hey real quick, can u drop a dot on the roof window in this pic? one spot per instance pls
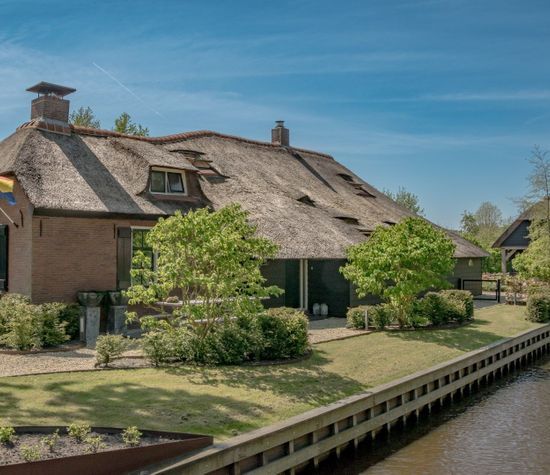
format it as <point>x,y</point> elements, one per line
<point>348,219</point>
<point>306,200</point>
<point>168,181</point>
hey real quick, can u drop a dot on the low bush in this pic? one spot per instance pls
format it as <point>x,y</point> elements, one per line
<point>109,347</point>
<point>53,328</point>
<point>445,306</point>
<point>538,305</point>
<point>380,316</point>
<point>284,333</point>
<point>25,326</point>
<point>78,432</point>
<point>30,453</point>
<point>131,436</point>
<point>7,435</point>
<point>465,298</point>
<point>355,317</point>
<point>279,333</point>
<point>51,441</point>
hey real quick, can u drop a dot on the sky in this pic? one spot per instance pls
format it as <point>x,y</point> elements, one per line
<point>444,97</point>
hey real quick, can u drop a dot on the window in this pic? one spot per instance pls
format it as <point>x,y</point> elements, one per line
<point>167,182</point>
<point>139,244</point>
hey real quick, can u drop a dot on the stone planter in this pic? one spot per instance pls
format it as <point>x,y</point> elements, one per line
<point>90,299</point>
<point>116,298</point>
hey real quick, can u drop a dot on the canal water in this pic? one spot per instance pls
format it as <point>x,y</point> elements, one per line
<point>505,429</point>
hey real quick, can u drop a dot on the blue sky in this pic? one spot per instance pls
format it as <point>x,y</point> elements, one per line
<point>446,98</point>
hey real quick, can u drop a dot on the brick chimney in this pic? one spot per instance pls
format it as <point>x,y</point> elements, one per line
<point>50,111</point>
<point>280,135</point>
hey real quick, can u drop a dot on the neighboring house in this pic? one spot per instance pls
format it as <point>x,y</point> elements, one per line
<point>85,197</point>
<point>515,239</point>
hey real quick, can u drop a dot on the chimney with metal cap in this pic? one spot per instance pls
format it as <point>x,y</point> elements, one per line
<point>50,111</point>
<point>280,135</point>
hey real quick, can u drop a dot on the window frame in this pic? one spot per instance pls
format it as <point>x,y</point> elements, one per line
<point>154,255</point>
<point>166,170</point>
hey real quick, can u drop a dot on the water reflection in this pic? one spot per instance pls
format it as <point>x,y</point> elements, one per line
<point>501,431</point>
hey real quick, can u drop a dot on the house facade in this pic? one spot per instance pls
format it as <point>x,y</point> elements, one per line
<point>85,197</point>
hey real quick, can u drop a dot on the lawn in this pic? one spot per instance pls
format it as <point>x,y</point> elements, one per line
<point>229,400</point>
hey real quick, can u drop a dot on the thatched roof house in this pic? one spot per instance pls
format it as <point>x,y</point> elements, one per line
<point>98,185</point>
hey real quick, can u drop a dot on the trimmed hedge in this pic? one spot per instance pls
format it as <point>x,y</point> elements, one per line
<point>379,316</point>
<point>355,317</point>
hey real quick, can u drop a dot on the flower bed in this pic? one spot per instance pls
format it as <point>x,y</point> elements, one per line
<point>30,450</point>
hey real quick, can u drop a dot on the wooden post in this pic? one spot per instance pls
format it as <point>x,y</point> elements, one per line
<point>503,260</point>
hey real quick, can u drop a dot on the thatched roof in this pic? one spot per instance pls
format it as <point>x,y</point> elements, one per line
<point>307,202</point>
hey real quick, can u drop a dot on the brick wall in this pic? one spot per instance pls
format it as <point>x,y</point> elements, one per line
<point>74,254</point>
<point>19,242</point>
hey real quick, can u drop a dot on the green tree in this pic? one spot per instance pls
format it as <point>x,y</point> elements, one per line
<point>211,261</point>
<point>406,199</point>
<point>399,262</point>
<point>84,117</point>
<point>468,224</point>
<point>124,125</point>
<point>534,262</point>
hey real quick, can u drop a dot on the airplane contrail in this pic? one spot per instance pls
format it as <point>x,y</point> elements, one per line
<point>127,89</point>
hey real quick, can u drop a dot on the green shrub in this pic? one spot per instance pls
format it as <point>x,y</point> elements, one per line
<point>25,326</point>
<point>380,316</point>
<point>463,296</point>
<point>95,443</point>
<point>109,347</point>
<point>7,435</point>
<point>538,306</point>
<point>158,346</point>
<point>69,313</point>
<point>417,321</point>
<point>284,333</point>
<point>131,436</point>
<point>30,453</point>
<point>355,317</point>
<point>434,307</point>
<point>79,432</point>
<point>51,440</point>
<point>23,329</point>
<point>53,328</point>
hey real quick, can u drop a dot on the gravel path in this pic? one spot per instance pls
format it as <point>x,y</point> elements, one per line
<point>83,359</point>
<point>331,329</point>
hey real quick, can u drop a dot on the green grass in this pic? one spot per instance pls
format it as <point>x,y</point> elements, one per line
<point>230,400</point>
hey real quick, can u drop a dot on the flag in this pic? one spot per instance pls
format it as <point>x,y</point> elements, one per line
<point>6,189</point>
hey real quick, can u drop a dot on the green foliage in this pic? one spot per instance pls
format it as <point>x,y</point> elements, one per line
<point>124,125</point>
<point>399,262</point>
<point>95,443</point>
<point>51,441</point>
<point>7,435</point>
<point>406,199</point>
<point>538,305</point>
<point>464,302</point>
<point>30,453</point>
<point>84,117</point>
<point>109,347</point>
<point>275,334</point>
<point>440,308</point>
<point>355,317</point>
<point>23,329</point>
<point>69,313</point>
<point>380,316</point>
<point>284,333</point>
<point>78,432</point>
<point>211,259</point>
<point>53,328</point>
<point>131,436</point>
<point>534,262</point>
<point>25,326</point>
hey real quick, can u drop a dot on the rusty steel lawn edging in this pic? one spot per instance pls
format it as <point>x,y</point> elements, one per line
<point>107,462</point>
<point>302,441</point>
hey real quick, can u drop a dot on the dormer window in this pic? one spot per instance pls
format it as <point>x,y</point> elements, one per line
<point>168,181</point>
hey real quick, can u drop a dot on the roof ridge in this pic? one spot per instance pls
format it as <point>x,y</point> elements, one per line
<point>172,138</point>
